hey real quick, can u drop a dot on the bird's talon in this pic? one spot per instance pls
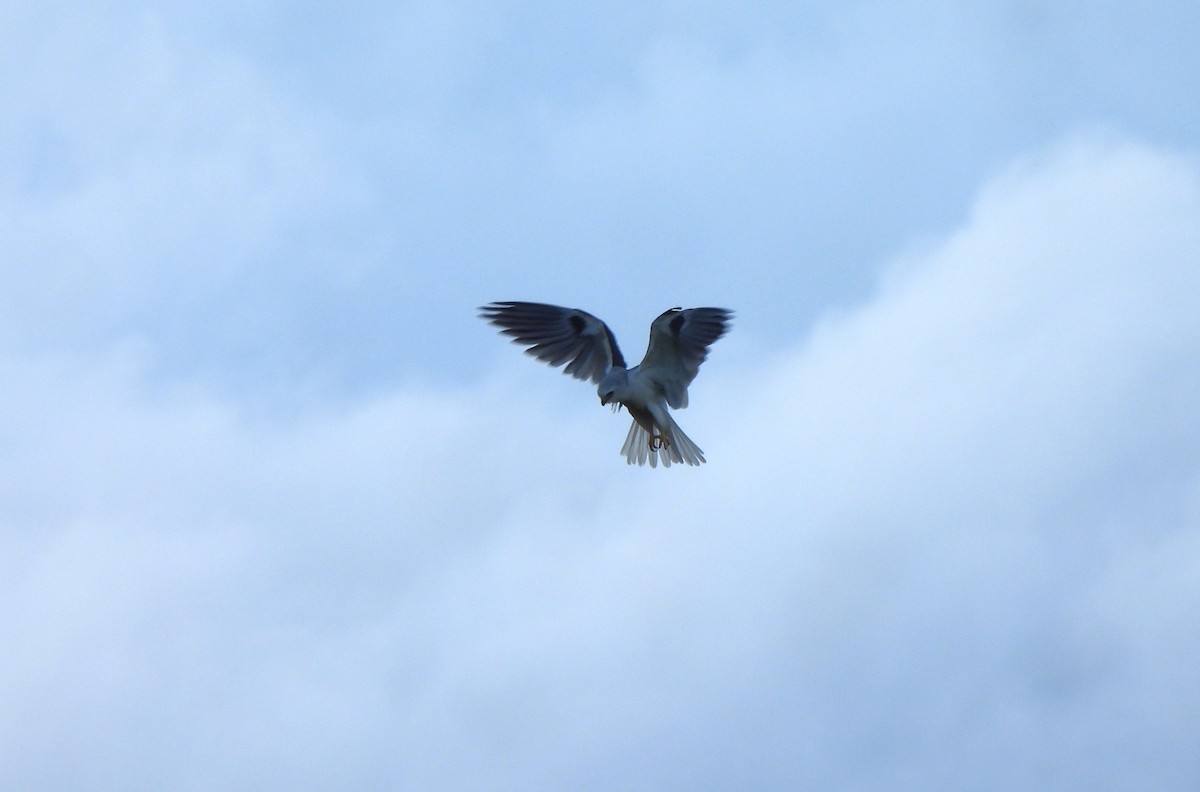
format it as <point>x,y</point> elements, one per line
<point>658,441</point>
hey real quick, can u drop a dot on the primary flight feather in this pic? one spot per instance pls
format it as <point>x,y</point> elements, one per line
<point>679,342</point>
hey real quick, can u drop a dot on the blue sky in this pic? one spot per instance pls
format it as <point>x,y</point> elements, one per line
<point>279,511</point>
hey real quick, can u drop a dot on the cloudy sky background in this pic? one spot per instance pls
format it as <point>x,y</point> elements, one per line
<point>278,511</point>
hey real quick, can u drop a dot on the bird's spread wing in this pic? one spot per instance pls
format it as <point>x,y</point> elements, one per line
<point>679,341</point>
<point>558,335</point>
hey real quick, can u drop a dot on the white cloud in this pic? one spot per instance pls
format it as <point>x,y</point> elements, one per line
<point>146,182</point>
<point>949,541</point>
<point>263,189</point>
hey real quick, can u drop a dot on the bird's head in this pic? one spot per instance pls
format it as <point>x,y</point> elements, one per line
<point>611,385</point>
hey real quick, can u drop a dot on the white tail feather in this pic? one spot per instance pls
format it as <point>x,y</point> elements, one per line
<point>677,448</point>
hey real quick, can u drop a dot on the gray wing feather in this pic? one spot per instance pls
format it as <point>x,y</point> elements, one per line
<point>679,342</point>
<point>558,335</point>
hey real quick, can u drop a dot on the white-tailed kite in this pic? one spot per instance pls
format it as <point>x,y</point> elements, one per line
<point>679,341</point>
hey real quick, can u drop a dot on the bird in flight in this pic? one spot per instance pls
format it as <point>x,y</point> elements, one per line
<point>679,341</point>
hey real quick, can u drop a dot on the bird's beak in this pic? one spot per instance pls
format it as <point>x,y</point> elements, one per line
<point>603,400</point>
